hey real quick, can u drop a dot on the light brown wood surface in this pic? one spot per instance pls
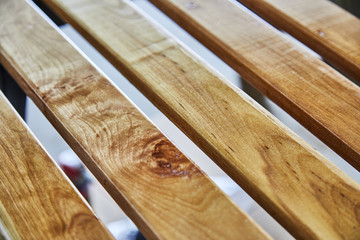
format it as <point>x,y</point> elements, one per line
<point>163,192</point>
<point>320,24</point>
<point>300,188</point>
<point>321,99</point>
<point>36,200</point>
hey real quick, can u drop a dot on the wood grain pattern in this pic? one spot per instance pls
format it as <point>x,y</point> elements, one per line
<point>37,200</point>
<point>163,192</point>
<point>326,28</point>
<point>300,188</point>
<point>321,99</point>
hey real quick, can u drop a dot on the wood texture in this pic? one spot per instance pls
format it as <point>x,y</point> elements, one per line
<point>37,201</point>
<point>300,188</point>
<point>326,28</point>
<point>321,99</point>
<point>163,192</point>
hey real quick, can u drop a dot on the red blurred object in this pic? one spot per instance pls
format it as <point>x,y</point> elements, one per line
<point>75,170</point>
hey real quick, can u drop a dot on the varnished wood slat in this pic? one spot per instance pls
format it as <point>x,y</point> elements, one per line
<point>300,188</point>
<point>321,99</point>
<point>164,193</point>
<point>37,200</point>
<point>320,24</point>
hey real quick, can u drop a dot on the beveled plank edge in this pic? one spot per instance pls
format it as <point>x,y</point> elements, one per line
<point>3,232</point>
<point>30,135</point>
<point>220,49</point>
<point>281,20</point>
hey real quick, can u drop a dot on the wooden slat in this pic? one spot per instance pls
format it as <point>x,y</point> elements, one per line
<point>321,99</point>
<point>300,188</point>
<point>320,24</point>
<point>37,200</point>
<point>164,193</point>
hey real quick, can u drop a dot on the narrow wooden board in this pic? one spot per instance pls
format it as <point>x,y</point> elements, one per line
<point>321,99</point>
<point>37,201</point>
<point>163,192</point>
<point>300,188</point>
<point>320,24</point>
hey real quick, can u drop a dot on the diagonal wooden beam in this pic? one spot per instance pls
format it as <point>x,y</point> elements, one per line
<point>326,28</point>
<point>317,96</point>
<point>37,200</point>
<point>299,187</point>
<point>161,190</point>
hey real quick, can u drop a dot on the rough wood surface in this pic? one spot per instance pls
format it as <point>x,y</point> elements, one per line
<point>37,200</point>
<point>321,99</point>
<point>300,188</point>
<point>320,24</point>
<point>164,193</point>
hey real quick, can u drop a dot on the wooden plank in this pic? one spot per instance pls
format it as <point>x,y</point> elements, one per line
<point>37,201</point>
<point>321,99</point>
<point>300,188</point>
<point>164,193</point>
<point>323,26</point>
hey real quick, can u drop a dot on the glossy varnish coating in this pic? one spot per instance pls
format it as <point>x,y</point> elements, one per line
<point>320,24</point>
<point>317,96</point>
<point>37,200</point>
<point>300,188</point>
<point>165,194</point>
